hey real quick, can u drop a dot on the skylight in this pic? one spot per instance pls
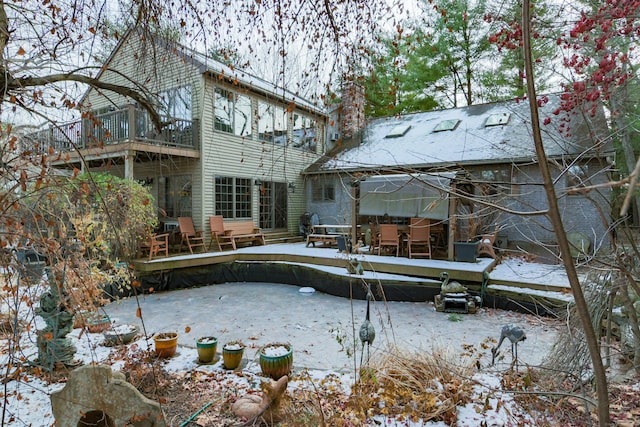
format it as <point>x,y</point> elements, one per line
<point>447,125</point>
<point>497,119</point>
<point>398,131</point>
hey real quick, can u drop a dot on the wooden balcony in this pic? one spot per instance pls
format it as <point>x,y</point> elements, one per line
<point>115,130</point>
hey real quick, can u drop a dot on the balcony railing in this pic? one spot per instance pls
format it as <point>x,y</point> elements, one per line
<point>115,127</point>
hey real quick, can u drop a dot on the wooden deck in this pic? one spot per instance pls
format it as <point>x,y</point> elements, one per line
<point>546,277</point>
<point>323,256</point>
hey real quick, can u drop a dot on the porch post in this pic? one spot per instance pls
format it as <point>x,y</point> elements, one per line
<point>354,214</point>
<point>131,116</point>
<point>128,164</point>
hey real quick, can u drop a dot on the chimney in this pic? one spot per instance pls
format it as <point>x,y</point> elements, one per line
<point>352,110</point>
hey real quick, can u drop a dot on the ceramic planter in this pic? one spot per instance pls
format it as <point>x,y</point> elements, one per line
<point>97,323</point>
<point>276,360</point>
<point>232,354</point>
<point>120,334</point>
<point>466,251</point>
<point>166,344</point>
<point>80,319</point>
<point>206,349</point>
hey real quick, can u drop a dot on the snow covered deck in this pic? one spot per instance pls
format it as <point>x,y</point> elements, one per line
<point>513,278</point>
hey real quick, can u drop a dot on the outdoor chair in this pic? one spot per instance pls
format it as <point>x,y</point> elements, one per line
<point>159,245</point>
<point>419,238</point>
<point>216,226</point>
<point>388,237</point>
<point>189,235</point>
<point>487,241</point>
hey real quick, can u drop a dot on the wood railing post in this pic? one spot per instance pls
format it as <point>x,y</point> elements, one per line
<point>131,113</point>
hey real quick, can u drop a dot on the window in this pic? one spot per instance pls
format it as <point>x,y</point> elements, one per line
<point>447,125</point>
<point>174,195</point>
<point>233,197</point>
<point>265,122</point>
<point>497,119</point>
<point>304,133</point>
<point>223,106</point>
<point>323,191</point>
<point>242,116</point>
<point>493,181</point>
<point>176,103</point>
<point>280,126</point>
<point>272,123</point>
<point>398,131</point>
<point>232,112</point>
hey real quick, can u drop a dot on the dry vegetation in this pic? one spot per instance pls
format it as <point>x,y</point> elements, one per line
<point>398,386</point>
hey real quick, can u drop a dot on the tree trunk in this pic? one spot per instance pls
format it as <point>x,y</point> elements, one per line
<point>558,226</point>
<point>627,147</point>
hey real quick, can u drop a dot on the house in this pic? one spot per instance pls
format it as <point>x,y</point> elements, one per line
<point>406,166</point>
<point>231,144</point>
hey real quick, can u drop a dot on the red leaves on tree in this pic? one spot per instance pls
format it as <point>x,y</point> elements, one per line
<point>592,40</point>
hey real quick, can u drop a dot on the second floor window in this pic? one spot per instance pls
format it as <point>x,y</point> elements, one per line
<point>176,103</point>
<point>304,133</point>
<point>272,123</point>
<point>232,112</point>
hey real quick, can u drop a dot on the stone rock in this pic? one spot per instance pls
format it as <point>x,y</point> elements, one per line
<point>95,395</point>
<point>265,407</point>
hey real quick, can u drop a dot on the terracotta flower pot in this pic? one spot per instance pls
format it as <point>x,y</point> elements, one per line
<point>97,323</point>
<point>206,349</point>
<point>276,360</point>
<point>166,344</point>
<point>232,354</point>
<point>80,319</point>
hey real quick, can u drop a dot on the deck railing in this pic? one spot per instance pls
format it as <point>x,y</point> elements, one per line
<point>114,127</point>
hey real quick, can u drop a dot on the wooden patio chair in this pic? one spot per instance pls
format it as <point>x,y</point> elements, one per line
<point>189,235</point>
<point>419,238</point>
<point>388,237</point>
<point>486,245</point>
<point>159,245</point>
<point>216,226</point>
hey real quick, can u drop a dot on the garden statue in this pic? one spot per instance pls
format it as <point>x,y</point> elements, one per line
<point>53,347</point>
<point>454,298</point>
<point>266,408</point>
<point>354,266</point>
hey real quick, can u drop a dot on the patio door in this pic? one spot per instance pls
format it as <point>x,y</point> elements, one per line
<point>273,205</point>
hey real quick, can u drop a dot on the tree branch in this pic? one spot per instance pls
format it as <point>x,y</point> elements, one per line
<point>139,97</point>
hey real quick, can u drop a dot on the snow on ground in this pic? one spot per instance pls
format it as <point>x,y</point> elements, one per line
<point>26,400</point>
<point>517,269</point>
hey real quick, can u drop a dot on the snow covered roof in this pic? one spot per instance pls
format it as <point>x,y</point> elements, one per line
<point>243,78</point>
<point>498,132</point>
<point>239,77</point>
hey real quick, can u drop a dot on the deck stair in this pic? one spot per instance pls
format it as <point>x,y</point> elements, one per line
<point>273,237</point>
